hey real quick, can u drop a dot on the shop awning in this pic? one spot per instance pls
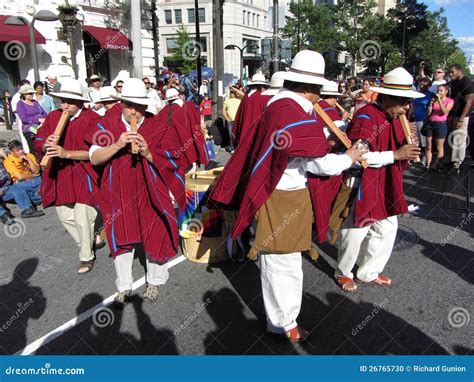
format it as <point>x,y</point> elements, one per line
<point>109,38</point>
<point>17,32</point>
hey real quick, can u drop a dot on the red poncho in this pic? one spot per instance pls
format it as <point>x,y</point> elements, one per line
<point>381,189</point>
<point>185,122</point>
<point>134,197</point>
<point>66,181</point>
<point>247,117</point>
<point>284,131</point>
<point>330,111</point>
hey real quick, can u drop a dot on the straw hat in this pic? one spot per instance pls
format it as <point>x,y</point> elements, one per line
<point>330,88</point>
<point>275,83</point>
<point>308,68</point>
<point>106,94</point>
<point>94,77</point>
<point>172,94</point>
<point>398,83</point>
<point>26,89</point>
<point>70,89</point>
<point>258,79</point>
<point>133,91</point>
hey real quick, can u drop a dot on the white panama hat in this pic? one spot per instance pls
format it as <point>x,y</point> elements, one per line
<point>330,89</point>
<point>276,83</point>
<point>398,83</point>
<point>133,91</point>
<point>258,79</point>
<point>172,94</point>
<point>26,89</point>
<point>307,68</point>
<point>70,89</point>
<point>106,94</point>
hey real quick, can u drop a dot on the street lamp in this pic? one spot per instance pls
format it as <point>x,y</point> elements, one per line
<point>42,15</point>
<point>67,15</point>
<point>232,47</point>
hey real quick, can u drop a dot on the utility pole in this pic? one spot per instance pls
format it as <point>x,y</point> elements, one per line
<point>137,39</point>
<point>198,43</point>
<point>156,36</point>
<point>218,48</point>
<point>276,58</point>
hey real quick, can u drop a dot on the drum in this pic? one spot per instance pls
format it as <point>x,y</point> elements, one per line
<point>203,231</point>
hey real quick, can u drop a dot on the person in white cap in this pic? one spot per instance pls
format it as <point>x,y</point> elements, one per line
<point>69,182</point>
<point>134,191</point>
<point>111,105</point>
<point>273,181</point>
<point>370,229</point>
<point>52,85</point>
<point>276,83</point>
<point>94,95</point>
<point>251,108</point>
<point>328,100</point>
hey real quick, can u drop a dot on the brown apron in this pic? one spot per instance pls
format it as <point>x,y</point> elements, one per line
<point>284,222</point>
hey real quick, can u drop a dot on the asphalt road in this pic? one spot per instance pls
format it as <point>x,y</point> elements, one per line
<point>219,310</point>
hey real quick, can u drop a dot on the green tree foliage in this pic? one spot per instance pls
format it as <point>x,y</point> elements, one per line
<point>185,52</point>
<point>458,57</point>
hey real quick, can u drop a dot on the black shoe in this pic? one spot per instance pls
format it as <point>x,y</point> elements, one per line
<point>31,213</point>
<point>212,164</point>
<point>7,220</point>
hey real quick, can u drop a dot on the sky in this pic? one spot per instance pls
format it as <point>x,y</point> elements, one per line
<point>460,14</point>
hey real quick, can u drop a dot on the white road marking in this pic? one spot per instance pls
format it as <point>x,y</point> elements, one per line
<point>59,331</point>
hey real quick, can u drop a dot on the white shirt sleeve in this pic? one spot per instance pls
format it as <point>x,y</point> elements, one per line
<point>378,159</point>
<point>330,164</point>
<point>92,150</point>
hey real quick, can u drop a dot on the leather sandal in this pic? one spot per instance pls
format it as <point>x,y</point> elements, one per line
<point>346,284</point>
<point>85,266</point>
<point>381,280</point>
<point>294,335</point>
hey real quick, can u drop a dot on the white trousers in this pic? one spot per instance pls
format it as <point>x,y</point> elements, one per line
<point>282,289</point>
<point>79,220</point>
<point>457,139</point>
<point>156,274</point>
<point>374,243</point>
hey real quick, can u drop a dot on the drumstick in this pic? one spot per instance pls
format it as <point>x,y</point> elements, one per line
<point>342,110</point>
<point>407,131</point>
<point>58,131</point>
<point>336,131</point>
<point>133,125</point>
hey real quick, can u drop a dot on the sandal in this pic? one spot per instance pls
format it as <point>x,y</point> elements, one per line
<point>347,284</point>
<point>294,335</point>
<point>85,266</point>
<point>151,292</point>
<point>381,280</point>
<point>122,298</point>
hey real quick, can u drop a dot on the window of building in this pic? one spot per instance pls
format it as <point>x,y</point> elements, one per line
<point>258,21</point>
<point>253,19</point>
<point>248,18</point>
<point>254,45</point>
<point>168,17</point>
<point>171,45</point>
<point>178,16</point>
<point>243,21</point>
<point>202,15</point>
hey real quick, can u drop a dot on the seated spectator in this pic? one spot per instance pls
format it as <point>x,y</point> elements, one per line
<point>24,170</point>
<point>9,192</point>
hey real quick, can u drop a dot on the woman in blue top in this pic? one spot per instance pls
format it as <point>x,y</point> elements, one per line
<point>44,100</point>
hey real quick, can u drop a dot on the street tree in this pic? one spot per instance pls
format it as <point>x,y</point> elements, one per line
<point>458,57</point>
<point>185,52</point>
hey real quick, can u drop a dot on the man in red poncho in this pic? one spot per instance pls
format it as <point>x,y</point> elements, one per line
<point>183,118</point>
<point>371,227</point>
<point>69,182</point>
<point>275,183</point>
<point>250,109</point>
<point>134,197</point>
